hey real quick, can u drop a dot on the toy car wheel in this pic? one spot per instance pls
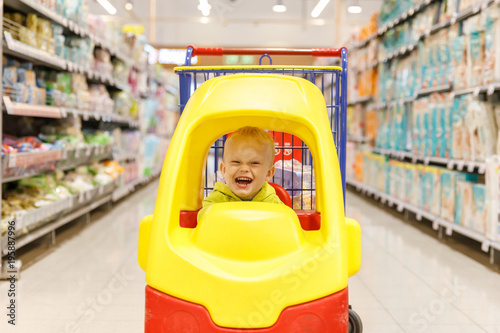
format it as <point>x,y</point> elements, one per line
<point>355,324</point>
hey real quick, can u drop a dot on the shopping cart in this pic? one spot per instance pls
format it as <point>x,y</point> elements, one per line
<point>254,266</point>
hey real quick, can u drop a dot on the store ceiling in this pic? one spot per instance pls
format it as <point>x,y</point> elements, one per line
<point>243,22</point>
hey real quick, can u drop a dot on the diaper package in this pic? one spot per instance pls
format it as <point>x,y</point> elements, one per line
<point>479,209</point>
<point>475,51</point>
<point>458,56</point>
<point>463,202</point>
<point>410,173</point>
<point>491,69</point>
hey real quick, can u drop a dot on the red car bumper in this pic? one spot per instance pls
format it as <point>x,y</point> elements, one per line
<point>165,313</point>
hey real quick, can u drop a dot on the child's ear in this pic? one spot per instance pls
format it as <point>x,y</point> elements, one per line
<point>270,173</point>
<point>222,168</point>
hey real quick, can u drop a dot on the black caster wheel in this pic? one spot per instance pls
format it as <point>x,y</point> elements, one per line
<point>355,324</point>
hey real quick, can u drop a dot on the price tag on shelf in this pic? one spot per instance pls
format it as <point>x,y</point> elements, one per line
<point>471,166</point>
<point>485,245</point>
<point>8,104</point>
<point>460,165</point>
<point>85,116</point>
<point>63,113</point>
<point>452,95</point>
<point>97,116</point>
<point>77,153</point>
<point>418,216</point>
<point>411,12</point>
<point>12,160</point>
<point>75,114</point>
<point>88,151</point>
<point>491,89</point>
<point>81,197</point>
<point>435,224</point>
<point>485,4</point>
<point>405,15</point>
<point>426,160</point>
<point>482,168</point>
<point>9,39</point>
<point>449,230</point>
<point>400,207</point>
<point>390,202</point>
<point>383,199</point>
<point>476,9</point>
<point>453,19</point>
<point>476,91</point>
<point>101,190</point>
<point>88,195</point>
<point>450,164</point>
<point>64,154</point>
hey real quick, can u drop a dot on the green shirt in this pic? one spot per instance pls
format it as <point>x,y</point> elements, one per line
<point>222,193</point>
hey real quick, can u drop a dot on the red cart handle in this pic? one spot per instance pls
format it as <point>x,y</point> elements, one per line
<point>219,51</point>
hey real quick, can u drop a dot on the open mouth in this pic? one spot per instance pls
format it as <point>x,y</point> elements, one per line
<point>243,181</point>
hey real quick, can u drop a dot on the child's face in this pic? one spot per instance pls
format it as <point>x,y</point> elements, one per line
<point>246,166</point>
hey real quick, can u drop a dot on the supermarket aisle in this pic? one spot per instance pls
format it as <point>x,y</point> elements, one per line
<point>409,282</point>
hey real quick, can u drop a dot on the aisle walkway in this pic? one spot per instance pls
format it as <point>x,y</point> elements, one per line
<point>409,282</point>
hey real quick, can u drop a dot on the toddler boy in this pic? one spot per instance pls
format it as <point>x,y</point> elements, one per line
<point>246,166</point>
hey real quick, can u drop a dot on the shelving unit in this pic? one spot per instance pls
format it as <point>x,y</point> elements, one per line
<point>37,223</point>
<point>393,59</point>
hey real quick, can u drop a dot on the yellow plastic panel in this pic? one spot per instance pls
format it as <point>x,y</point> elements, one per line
<point>353,232</point>
<point>201,265</point>
<point>144,234</point>
<point>249,231</point>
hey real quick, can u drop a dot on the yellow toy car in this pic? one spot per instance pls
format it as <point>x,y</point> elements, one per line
<point>253,266</point>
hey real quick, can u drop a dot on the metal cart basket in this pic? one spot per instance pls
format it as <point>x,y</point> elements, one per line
<point>296,178</point>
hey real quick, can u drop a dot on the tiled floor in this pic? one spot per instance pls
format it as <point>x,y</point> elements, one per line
<point>409,282</point>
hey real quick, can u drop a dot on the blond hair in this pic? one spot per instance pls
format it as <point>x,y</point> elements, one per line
<point>258,135</point>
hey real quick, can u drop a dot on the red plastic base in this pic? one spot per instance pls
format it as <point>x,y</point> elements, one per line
<point>165,313</point>
<point>309,219</point>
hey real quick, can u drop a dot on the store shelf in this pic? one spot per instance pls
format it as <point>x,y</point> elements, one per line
<point>43,111</point>
<point>358,139</point>
<point>403,50</point>
<point>428,91</point>
<point>437,221</point>
<point>23,165</point>
<point>22,109</point>
<point>29,53</point>
<point>452,164</point>
<point>128,188</point>
<point>125,156</point>
<point>361,100</point>
<point>42,58</point>
<point>51,226</point>
<point>33,6</point>
<point>457,17</point>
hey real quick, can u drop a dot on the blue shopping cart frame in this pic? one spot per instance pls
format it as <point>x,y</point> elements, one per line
<point>332,82</point>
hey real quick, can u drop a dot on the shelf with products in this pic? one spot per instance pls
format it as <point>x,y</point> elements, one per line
<point>358,139</point>
<point>39,57</point>
<point>456,16</point>
<point>43,111</point>
<point>452,164</point>
<point>34,6</point>
<point>361,100</point>
<point>437,221</point>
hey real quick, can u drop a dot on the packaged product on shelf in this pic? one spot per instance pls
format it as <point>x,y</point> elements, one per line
<point>491,69</point>
<point>482,129</point>
<point>447,194</point>
<point>475,53</point>
<point>434,174</point>
<point>479,209</point>
<point>446,122</point>
<point>417,188</point>
<point>459,56</point>
<point>410,172</point>
<point>492,196</point>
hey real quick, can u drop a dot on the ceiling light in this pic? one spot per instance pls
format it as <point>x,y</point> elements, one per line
<point>319,8</point>
<point>279,7</point>
<point>204,7</point>
<point>354,8</point>
<point>129,5</point>
<point>108,6</point>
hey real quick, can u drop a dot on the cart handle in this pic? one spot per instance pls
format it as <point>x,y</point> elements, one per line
<point>218,51</point>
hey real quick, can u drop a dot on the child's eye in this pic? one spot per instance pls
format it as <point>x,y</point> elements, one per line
<point>235,162</point>
<point>255,163</point>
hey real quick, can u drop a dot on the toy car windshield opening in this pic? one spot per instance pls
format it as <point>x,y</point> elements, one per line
<point>294,172</point>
